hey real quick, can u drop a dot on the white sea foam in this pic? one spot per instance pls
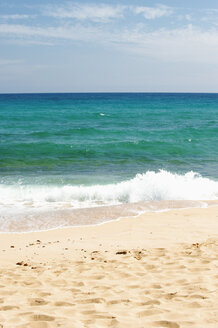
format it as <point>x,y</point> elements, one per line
<point>149,186</point>
<point>42,207</point>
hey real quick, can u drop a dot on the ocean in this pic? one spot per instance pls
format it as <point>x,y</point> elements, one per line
<point>80,158</point>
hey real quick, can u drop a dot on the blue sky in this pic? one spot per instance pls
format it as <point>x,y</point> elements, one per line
<point>86,46</point>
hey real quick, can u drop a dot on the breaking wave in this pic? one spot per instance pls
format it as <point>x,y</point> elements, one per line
<point>149,186</point>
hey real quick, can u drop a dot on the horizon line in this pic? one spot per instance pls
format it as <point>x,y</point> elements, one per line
<point>111,92</point>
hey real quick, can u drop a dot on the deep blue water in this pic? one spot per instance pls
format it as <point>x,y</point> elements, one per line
<point>89,138</point>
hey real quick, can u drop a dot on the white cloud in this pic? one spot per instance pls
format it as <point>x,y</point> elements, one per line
<point>153,12</point>
<point>15,16</point>
<point>92,12</point>
<point>210,16</point>
<point>76,32</point>
<point>188,17</point>
<point>30,41</point>
<point>212,11</point>
<point>7,62</point>
<point>104,12</point>
<point>187,44</point>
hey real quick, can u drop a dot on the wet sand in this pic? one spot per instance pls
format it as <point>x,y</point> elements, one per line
<point>35,219</point>
<point>155,270</point>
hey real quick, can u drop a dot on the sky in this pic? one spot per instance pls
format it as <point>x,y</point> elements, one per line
<point>108,46</point>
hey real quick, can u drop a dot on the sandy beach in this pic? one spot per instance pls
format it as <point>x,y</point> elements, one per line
<point>108,164</point>
<point>156,270</point>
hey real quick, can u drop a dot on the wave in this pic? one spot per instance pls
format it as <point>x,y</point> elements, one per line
<point>150,186</point>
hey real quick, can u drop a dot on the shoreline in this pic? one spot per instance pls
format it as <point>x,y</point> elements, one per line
<point>198,222</point>
<point>159,268</point>
<point>94,216</point>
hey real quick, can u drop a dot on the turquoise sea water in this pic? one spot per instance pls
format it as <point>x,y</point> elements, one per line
<point>89,149</point>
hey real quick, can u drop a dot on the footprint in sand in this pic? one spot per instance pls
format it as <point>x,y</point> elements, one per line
<point>167,324</point>
<point>8,307</point>
<point>147,313</point>
<point>92,300</point>
<point>42,317</point>
<point>119,301</point>
<point>152,302</point>
<point>194,305</point>
<point>37,301</point>
<point>77,283</point>
<point>44,294</point>
<point>97,277</point>
<point>63,304</point>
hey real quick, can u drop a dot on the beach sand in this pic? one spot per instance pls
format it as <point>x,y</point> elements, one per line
<point>156,270</point>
